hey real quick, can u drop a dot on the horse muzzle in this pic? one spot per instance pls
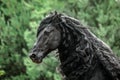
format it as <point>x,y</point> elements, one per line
<point>36,57</point>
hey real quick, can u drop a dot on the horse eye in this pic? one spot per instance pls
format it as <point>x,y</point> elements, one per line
<point>46,32</point>
<point>42,50</point>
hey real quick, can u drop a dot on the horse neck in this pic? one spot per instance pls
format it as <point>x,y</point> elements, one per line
<point>76,49</point>
<point>72,39</point>
<point>72,51</point>
<point>67,45</point>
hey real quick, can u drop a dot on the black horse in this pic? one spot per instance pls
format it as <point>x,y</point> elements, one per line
<point>82,55</point>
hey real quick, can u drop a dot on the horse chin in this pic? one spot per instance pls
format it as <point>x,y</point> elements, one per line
<point>38,61</point>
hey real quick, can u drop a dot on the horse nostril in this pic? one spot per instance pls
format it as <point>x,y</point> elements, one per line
<point>34,50</point>
<point>32,56</point>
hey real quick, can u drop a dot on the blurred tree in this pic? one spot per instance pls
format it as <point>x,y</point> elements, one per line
<point>12,26</point>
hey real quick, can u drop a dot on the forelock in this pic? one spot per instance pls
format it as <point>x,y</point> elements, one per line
<point>51,18</point>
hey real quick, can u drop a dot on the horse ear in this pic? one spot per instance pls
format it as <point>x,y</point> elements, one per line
<point>56,13</point>
<point>53,13</point>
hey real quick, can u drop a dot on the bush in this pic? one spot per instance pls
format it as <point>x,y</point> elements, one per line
<point>14,20</point>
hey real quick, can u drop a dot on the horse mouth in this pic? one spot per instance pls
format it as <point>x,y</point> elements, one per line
<point>36,59</point>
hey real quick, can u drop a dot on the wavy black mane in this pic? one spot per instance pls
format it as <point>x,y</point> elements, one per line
<point>82,55</point>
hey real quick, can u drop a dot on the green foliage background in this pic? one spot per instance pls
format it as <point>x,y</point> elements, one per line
<point>19,20</point>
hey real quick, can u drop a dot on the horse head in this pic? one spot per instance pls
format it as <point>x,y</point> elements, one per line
<point>48,39</point>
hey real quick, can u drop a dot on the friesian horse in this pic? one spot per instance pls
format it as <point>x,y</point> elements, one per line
<point>82,55</point>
